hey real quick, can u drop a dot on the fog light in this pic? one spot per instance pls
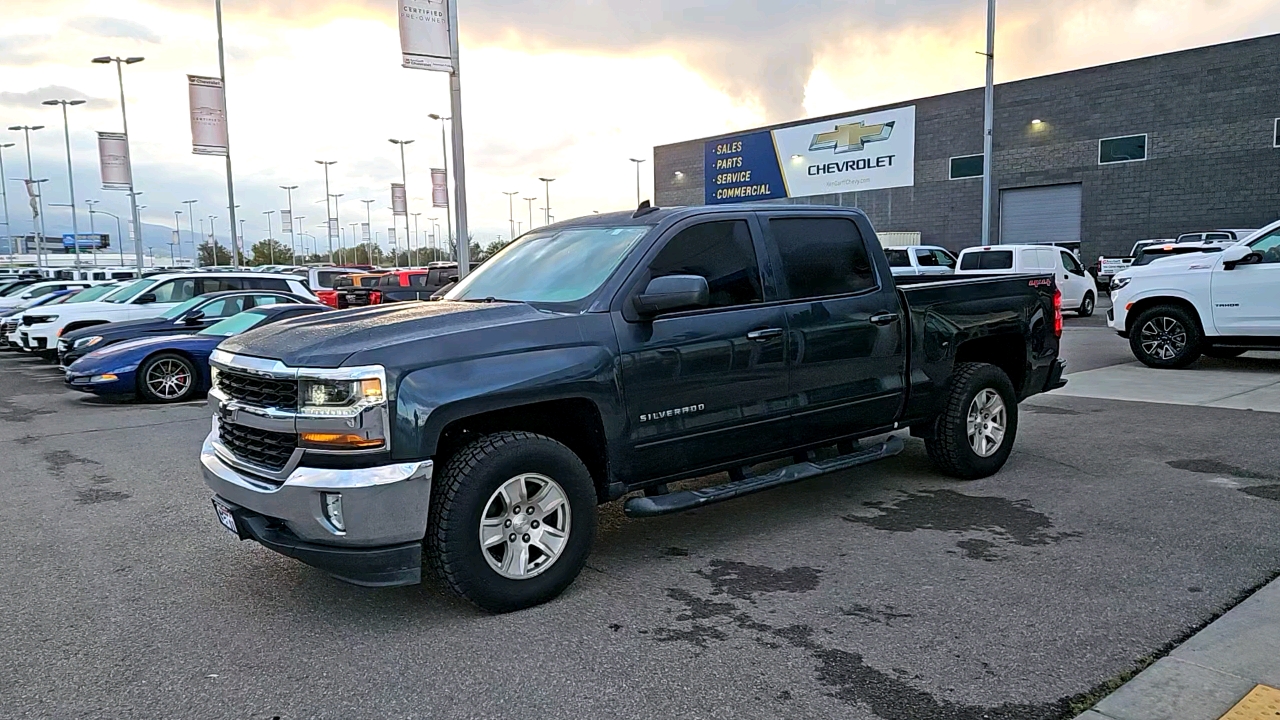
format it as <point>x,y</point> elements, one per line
<point>105,377</point>
<point>333,510</point>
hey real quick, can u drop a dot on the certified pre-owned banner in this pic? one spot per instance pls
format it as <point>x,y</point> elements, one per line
<point>208,115</point>
<point>286,221</point>
<point>439,188</point>
<point>424,35</point>
<point>113,159</point>
<point>850,154</point>
<point>364,232</point>
<point>399,203</point>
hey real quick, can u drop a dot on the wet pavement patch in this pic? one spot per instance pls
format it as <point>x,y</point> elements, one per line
<point>95,495</point>
<point>1008,521</point>
<point>1049,410</point>
<point>1269,492</point>
<point>868,614</point>
<point>741,580</point>
<point>59,460</point>
<point>1209,466</point>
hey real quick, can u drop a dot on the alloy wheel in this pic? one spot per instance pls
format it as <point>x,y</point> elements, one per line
<point>168,379</point>
<point>525,526</point>
<point>986,422</point>
<point>1163,337</point>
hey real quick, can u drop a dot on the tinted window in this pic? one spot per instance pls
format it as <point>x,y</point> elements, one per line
<point>926,258</point>
<point>898,258</point>
<point>966,167</point>
<point>822,256</point>
<point>722,253</point>
<point>267,284</point>
<point>223,307</point>
<point>393,280</point>
<point>418,280</point>
<point>1218,237</point>
<point>175,291</point>
<point>987,260</point>
<point>944,259</point>
<point>327,279</point>
<point>260,300</point>
<point>1073,265</point>
<point>1122,149</point>
<point>369,281</point>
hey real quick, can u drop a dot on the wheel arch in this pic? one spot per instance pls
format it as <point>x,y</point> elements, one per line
<point>1007,351</point>
<point>1138,307</point>
<point>80,325</point>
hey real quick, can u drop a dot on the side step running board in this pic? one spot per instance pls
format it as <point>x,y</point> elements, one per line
<point>639,507</point>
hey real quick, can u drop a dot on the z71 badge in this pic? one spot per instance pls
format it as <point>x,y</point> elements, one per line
<point>661,414</point>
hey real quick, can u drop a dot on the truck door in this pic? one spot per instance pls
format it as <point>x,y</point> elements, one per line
<point>707,385</point>
<point>845,323</point>
<point>1246,299</point>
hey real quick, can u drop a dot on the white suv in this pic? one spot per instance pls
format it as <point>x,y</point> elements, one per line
<point>1220,304</point>
<point>145,298</point>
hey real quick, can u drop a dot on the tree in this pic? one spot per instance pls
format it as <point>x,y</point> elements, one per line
<point>207,258</point>
<point>270,252</point>
<point>489,251</point>
<point>366,254</point>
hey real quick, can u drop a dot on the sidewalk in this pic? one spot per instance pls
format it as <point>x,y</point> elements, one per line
<point>1207,676</point>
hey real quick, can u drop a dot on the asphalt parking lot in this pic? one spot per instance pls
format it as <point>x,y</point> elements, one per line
<point>884,592</point>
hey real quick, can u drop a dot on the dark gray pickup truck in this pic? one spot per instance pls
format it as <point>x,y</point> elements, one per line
<point>603,356</point>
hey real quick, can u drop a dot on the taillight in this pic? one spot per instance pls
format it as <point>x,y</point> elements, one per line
<point>375,297</point>
<point>1057,312</point>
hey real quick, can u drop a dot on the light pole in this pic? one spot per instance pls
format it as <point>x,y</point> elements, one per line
<point>328,214</point>
<point>177,235</point>
<point>238,243</point>
<point>37,208</point>
<point>92,230</point>
<point>444,152</point>
<point>519,227</point>
<point>637,161</point>
<point>337,220</point>
<point>271,241</point>
<point>369,219</point>
<point>301,234</point>
<point>137,223</point>
<point>546,182</point>
<point>4,193</point>
<point>71,183</point>
<point>191,224</point>
<point>404,180</point>
<point>213,238</point>
<point>530,201</point>
<point>288,189</point>
<point>511,213</point>
<point>435,235</point>
<point>119,229</point>
<point>988,122</point>
<point>355,242</point>
<point>417,240</point>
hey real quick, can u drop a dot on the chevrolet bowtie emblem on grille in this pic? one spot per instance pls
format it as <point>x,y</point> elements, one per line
<point>850,137</point>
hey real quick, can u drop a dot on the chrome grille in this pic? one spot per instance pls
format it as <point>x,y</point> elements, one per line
<point>259,390</point>
<point>266,449</point>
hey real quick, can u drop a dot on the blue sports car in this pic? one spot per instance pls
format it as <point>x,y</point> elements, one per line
<point>171,368</point>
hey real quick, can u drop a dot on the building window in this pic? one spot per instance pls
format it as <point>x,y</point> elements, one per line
<point>1130,148</point>
<point>966,166</point>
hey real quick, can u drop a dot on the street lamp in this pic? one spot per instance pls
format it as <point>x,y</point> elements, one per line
<point>191,225</point>
<point>511,213</point>
<point>444,152</point>
<point>300,234</point>
<point>288,189</point>
<point>271,241</point>
<point>637,161</point>
<point>119,228</point>
<point>213,238</point>
<point>530,201</point>
<point>71,183</point>
<point>4,193</point>
<point>369,219</point>
<point>92,231</point>
<point>37,209</point>
<point>137,223</point>
<point>328,214</point>
<point>417,239</point>
<point>546,182</point>
<point>404,180</point>
<point>337,220</point>
<point>177,237</point>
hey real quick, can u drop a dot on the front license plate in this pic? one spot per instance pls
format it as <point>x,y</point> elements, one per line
<point>226,518</point>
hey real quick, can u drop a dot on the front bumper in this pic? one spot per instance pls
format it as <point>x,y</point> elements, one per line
<point>384,510</point>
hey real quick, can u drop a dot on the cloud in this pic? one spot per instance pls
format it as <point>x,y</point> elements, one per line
<point>110,27</point>
<point>33,98</point>
<point>23,50</point>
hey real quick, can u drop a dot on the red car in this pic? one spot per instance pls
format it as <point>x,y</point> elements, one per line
<point>404,285</point>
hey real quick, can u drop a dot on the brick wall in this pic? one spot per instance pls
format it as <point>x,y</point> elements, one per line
<point>1209,114</point>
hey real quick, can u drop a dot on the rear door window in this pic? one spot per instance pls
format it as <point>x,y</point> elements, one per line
<point>898,258</point>
<point>223,307</point>
<point>266,284</point>
<point>926,258</point>
<point>822,256</point>
<point>987,260</point>
<point>175,291</point>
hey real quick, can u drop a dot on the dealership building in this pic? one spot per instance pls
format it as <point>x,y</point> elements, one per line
<point>1108,155</point>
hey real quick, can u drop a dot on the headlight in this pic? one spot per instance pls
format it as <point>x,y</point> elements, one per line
<point>37,319</point>
<point>356,400</point>
<point>88,341</point>
<point>1119,282</point>
<point>321,395</point>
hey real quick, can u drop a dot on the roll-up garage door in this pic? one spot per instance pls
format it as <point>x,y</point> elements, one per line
<point>1040,214</point>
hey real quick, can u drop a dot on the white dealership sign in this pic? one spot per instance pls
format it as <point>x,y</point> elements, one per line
<point>286,221</point>
<point>424,35</point>
<point>113,159</point>
<point>850,154</point>
<point>208,115</point>
<point>439,188</point>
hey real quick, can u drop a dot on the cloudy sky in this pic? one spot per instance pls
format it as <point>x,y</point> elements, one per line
<point>569,89</point>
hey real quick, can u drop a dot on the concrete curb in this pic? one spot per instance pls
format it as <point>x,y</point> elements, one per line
<point>1208,674</point>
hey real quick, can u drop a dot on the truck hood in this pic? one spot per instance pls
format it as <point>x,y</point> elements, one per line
<point>326,340</point>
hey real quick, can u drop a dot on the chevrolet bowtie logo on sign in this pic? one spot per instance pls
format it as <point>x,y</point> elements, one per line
<point>851,137</point>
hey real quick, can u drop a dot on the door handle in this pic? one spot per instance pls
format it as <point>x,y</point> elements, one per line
<point>884,318</point>
<point>764,334</point>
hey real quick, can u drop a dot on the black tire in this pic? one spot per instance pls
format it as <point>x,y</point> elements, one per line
<point>1166,336</point>
<point>149,394</point>
<point>949,448</point>
<point>1086,305</point>
<point>1224,353</point>
<point>458,503</point>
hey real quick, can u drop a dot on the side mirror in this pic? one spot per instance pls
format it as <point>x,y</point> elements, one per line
<point>673,292</point>
<point>195,317</point>
<point>1235,255</point>
<point>145,299</point>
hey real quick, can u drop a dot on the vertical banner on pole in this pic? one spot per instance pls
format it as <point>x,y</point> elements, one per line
<point>113,159</point>
<point>333,228</point>
<point>424,35</point>
<point>208,115</point>
<point>286,221</point>
<point>364,232</point>
<point>439,188</point>
<point>399,203</point>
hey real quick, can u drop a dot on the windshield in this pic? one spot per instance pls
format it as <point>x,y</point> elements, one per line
<point>554,266</point>
<point>16,289</point>
<point>129,292</point>
<point>1148,256</point>
<point>181,308</point>
<point>93,293</point>
<point>898,258</point>
<point>235,324</point>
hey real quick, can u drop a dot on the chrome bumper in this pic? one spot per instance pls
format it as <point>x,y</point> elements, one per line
<point>381,505</point>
